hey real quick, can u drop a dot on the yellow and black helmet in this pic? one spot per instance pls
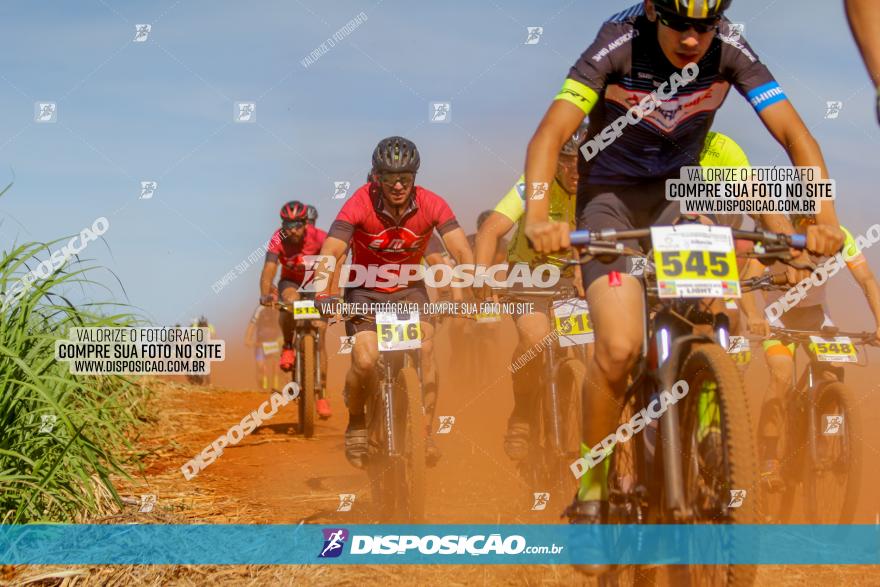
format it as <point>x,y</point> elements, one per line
<point>698,9</point>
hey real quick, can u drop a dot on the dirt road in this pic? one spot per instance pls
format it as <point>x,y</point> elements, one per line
<point>275,476</point>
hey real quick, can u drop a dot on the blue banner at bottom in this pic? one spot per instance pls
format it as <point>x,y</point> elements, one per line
<point>437,544</point>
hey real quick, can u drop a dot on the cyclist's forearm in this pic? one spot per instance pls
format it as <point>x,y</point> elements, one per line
<point>267,277</point>
<point>864,20</point>
<point>542,157</point>
<point>487,238</point>
<point>870,288</point>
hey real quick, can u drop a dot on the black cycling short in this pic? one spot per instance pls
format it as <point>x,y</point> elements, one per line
<point>416,294</point>
<point>623,208</point>
<point>287,284</point>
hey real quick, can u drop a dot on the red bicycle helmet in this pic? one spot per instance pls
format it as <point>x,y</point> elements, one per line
<point>294,211</point>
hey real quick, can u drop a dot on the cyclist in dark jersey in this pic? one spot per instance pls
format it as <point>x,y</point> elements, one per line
<point>630,63</point>
<point>388,223</point>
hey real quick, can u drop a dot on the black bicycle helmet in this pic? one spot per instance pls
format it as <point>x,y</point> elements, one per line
<point>311,213</point>
<point>572,145</point>
<point>698,9</point>
<point>396,155</point>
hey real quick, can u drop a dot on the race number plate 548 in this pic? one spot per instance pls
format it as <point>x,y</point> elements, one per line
<point>398,332</point>
<point>839,349</point>
<point>695,261</point>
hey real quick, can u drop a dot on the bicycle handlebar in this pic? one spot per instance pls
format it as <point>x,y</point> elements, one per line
<point>583,238</point>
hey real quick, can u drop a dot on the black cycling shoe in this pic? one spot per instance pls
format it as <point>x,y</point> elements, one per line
<point>356,445</point>
<point>589,512</point>
<point>432,453</point>
<point>516,440</point>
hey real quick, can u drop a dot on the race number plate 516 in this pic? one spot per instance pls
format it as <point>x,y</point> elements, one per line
<point>695,261</point>
<point>398,332</point>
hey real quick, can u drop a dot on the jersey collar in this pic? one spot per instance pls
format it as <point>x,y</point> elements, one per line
<point>379,204</point>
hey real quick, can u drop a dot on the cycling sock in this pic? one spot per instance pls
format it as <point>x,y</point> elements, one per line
<point>594,483</point>
<point>285,320</point>
<point>524,385</point>
<point>707,410</point>
<point>356,420</point>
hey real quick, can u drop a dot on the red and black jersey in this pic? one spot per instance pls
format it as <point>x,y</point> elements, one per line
<point>377,238</point>
<point>290,255</point>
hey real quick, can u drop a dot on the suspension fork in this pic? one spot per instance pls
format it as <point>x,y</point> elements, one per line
<point>553,396</point>
<point>812,395</point>
<point>388,401</point>
<point>299,371</point>
<point>319,384</point>
<point>668,351</point>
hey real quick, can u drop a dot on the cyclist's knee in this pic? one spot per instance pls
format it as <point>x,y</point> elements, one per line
<point>616,357</point>
<point>364,354</point>
<point>532,329</point>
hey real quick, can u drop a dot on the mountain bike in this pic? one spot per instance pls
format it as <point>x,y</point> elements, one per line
<point>820,433</point>
<point>556,411</point>
<point>395,418</point>
<point>307,368</point>
<point>704,468</point>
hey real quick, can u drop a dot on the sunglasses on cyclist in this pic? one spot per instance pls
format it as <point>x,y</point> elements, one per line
<point>294,225</point>
<point>391,179</point>
<point>681,24</point>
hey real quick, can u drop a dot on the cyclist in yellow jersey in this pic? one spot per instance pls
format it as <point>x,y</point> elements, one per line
<point>718,151</point>
<point>810,313</point>
<point>534,326</point>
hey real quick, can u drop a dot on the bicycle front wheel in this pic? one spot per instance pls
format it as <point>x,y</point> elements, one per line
<point>412,470</point>
<point>307,393</point>
<point>832,476</point>
<point>719,464</point>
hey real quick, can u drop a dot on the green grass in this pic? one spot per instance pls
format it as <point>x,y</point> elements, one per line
<point>59,475</point>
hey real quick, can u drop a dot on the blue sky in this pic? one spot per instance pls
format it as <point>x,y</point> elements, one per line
<point>163,110</point>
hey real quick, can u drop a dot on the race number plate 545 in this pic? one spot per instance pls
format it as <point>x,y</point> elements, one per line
<point>398,332</point>
<point>695,261</point>
<point>839,349</point>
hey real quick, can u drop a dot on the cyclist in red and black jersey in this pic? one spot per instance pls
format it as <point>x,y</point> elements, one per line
<point>288,247</point>
<point>645,124</point>
<point>388,221</point>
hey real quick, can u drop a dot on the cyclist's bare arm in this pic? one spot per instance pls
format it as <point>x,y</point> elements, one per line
<point>864,20</point>
<point>336,249</point>
<point>863,275</point>
<point>457,244</point>
<point>560,122</point>
<point>250,339</point>
<point>495,227</point>
<point>267,277</point>
<point>786,126</point>
<point>755,320</point>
